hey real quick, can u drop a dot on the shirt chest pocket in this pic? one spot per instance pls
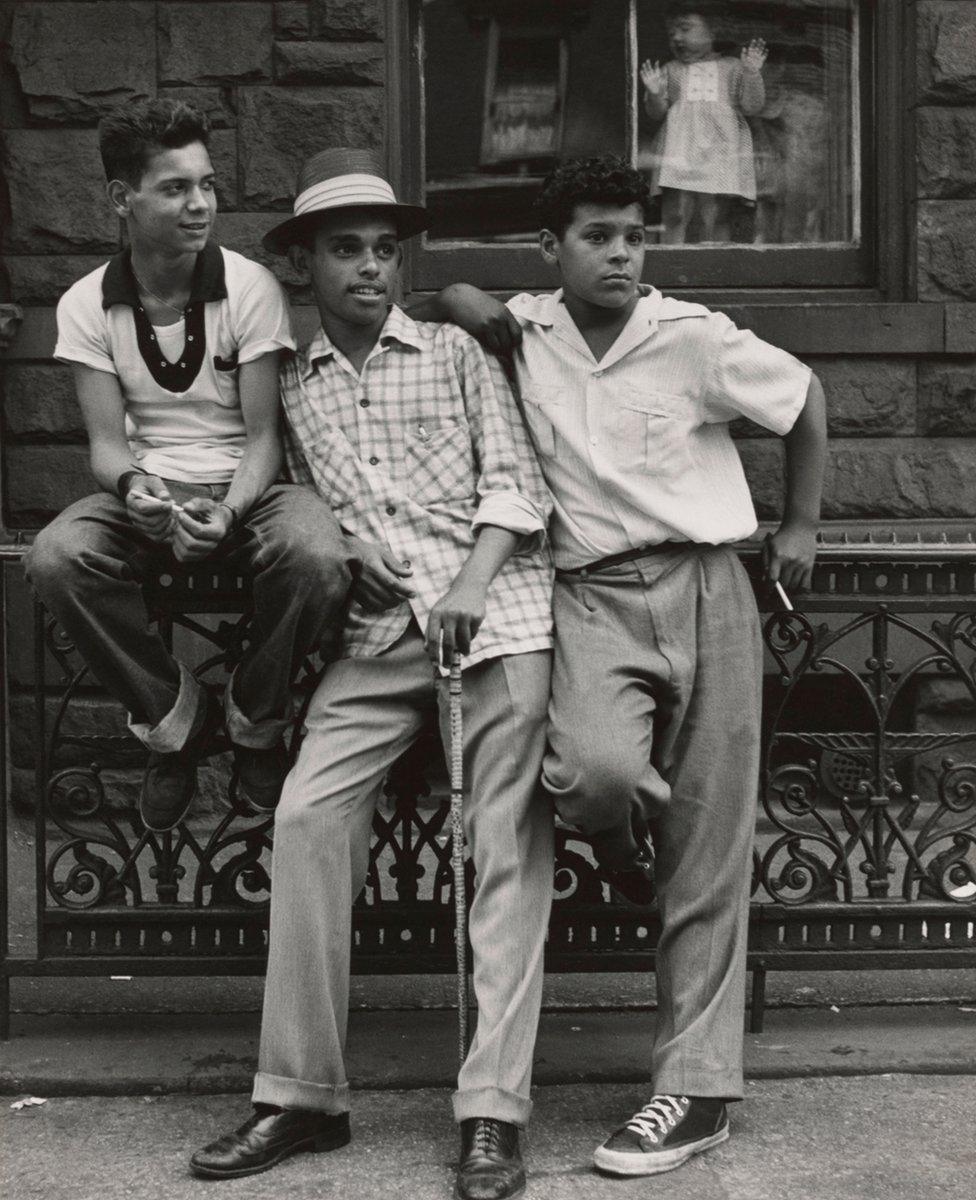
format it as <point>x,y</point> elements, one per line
<point>653,433</point>
<point>542,407</point>
<point>439,464</point>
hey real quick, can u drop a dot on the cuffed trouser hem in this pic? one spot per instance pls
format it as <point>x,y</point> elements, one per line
<point>171,733</point>
<point>695,1083</point>
<point>298,1093</point>
<point>491,1102</point>
<point>256,735</point>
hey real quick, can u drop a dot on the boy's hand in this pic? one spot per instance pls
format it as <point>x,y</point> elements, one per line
<point>454,621</point>
<point>652,77</point>
<point>150,507</point>
<point>380,585</point>
<point>484,317</point>
<point>754,56</point>
<point>788,555</point>
<point>200,528</point>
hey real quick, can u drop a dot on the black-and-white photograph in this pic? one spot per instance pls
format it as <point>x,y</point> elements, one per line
<point>487,599</point>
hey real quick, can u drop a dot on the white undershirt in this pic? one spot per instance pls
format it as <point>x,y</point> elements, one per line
<point>171,339</point>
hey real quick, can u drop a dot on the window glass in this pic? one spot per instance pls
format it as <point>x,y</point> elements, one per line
<point>744,114</point>
<point>510,89</point>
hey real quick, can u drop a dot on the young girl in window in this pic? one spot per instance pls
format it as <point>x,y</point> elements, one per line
<point>702,154</point>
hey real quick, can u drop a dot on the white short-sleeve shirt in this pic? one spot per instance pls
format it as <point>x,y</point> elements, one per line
<point>636,448</point>
<point>183,417</point>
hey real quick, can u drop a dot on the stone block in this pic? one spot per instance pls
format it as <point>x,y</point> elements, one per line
<point>947,249</point>
<point>76,61</point>
<point>291,19</point>
<point>280,127</point>
<point>39,401</point>
<point>869,397</point>
<point>217,104</point>
<point>43,279</point>
<point>882,478</point>
<point>947,398</point>
<point>946,152</point>
<point>944,706</point>
<point>900,478</point>
<point>347,20</point>
<point>329,63</point>
<point>223,155</point>
<point>45,212</point>
<point>243,232</point>
<point>214,43</point>
<point>86,716</point>
<point>946,51</point>
<point>41,480</point>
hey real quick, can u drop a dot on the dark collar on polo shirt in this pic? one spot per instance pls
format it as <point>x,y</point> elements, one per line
<point>119,283</point>
<point>207,284</point>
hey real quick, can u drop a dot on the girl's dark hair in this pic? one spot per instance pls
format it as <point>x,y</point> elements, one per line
<point>607,180</point>
<point>708,10</point>
<point>132,132</point>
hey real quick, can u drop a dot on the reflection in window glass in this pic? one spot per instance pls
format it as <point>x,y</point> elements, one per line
<point>743,113</point>
<point>510,88</point>
<point>747,120</point>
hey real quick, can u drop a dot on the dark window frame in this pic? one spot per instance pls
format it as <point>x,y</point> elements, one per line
<point>877,270</point>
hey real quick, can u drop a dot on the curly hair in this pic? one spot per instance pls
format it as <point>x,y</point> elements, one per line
<point>132,132</point>
<point>607,180</point>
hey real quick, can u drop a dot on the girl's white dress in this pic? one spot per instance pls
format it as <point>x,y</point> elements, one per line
<point>704,143</point>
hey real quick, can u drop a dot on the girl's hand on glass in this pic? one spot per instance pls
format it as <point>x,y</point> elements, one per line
<point>652,77</point>
<point>754,56</point>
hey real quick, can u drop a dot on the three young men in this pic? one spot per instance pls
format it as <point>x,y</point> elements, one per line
<point>412,437</point>
<point>174,346</point>
<point>409,435</point>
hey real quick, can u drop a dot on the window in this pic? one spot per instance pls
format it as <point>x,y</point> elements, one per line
<point>752,119</point>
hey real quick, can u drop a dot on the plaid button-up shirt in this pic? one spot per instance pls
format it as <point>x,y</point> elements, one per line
<point>416,454</point>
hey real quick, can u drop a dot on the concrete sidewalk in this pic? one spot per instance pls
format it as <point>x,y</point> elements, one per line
<point>872,1138</point>
<point>138,1053</point>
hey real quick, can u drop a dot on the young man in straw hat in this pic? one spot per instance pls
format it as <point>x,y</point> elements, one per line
<point>413,439</point>
<point>174,345</point>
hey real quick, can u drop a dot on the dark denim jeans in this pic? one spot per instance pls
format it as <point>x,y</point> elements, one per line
<point>88,567</point>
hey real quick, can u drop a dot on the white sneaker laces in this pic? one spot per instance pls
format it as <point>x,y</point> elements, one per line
<point>658,1116</point>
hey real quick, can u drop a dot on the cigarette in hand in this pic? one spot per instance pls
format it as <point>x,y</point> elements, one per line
<point>159,500</point>
<point>781,592</point>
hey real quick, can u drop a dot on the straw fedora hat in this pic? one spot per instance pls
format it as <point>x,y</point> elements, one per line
<point>338,179</point>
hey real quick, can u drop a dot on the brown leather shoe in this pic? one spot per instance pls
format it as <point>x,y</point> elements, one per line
<point>267,1138</point>
<point>491,1165</point>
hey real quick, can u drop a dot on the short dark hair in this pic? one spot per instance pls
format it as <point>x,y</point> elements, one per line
<point>706,9</point>
<point>129,134</point>
<point>607,180</point>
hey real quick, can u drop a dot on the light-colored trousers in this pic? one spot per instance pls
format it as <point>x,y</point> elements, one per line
<point>655,723</point>
<point>364,714</point>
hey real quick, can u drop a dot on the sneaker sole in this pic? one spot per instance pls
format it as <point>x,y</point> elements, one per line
<point>319,1144</point>
<point>615,1162</point>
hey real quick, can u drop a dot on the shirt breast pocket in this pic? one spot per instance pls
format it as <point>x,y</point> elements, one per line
<point>439,464</point>
<point>653,432</point>
<point>541,406</point>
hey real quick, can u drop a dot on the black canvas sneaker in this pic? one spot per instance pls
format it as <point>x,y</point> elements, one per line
<point>665,1133</point>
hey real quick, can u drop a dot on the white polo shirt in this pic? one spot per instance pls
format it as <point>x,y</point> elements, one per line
<point>180,383</point>
<point>636,448</point>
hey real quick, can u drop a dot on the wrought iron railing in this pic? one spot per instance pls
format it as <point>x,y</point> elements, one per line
<point>866,827</point>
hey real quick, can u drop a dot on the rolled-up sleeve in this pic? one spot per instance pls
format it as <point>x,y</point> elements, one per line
<point>510,489</point>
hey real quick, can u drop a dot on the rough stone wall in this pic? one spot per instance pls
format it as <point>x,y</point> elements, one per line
<point>277,79</point>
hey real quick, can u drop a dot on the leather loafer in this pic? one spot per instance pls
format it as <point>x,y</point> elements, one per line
<point>491,1164</point>
<point>266,1139</point>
